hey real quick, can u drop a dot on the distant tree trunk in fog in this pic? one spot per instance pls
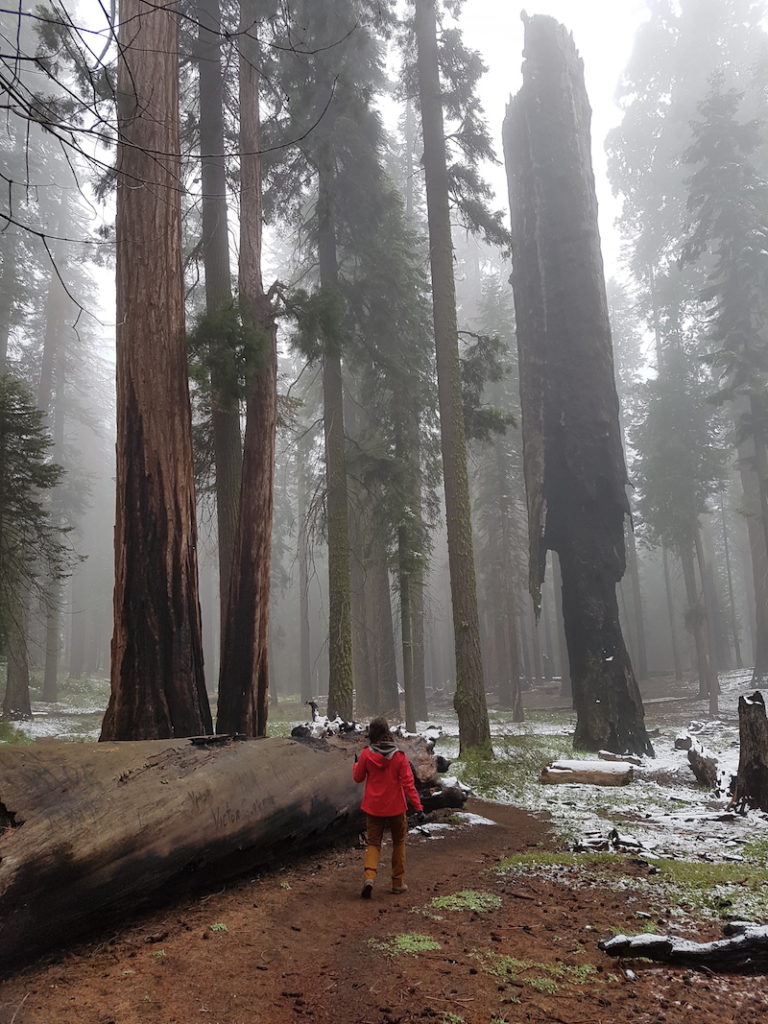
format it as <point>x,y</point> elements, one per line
<point>157,684</point>
<point>78,623</point>
<point>417,639</point>
<point>362,656</point>
<point>537,667</point>
<point>302,486</point>
<point>469,700</point>
<point>225,412</point>
<point>374,638</point>
<point>758,557</point>
<point>409,542</point>
<point>633,569</point>
<point>50,402</point>
<point>548,655</point>
<point>721,647</point>
<point>244,675</point>
<point>16,703</point>
<point>507,639</point>
<point>697,621</point>
<point>672,616</point>
<point>574,463</point>
<point>340,681</point>
<point>729,580</point>
<point>524,640</point>
<point>565,668</point>
<point>713,687</point>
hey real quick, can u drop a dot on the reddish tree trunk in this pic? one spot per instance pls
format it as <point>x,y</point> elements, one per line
<point>244,678</point>
<point>157,680</point>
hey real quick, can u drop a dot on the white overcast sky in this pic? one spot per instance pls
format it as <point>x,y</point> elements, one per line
<point>603,31</point>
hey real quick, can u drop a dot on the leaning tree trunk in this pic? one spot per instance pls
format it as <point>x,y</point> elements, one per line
<point>157,681</point>
<point>574,464</point>
<point>751,789</point>
<point>244,675</point>
<point>469,699</point>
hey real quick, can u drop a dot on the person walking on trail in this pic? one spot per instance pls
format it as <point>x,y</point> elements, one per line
<point>389,788</point>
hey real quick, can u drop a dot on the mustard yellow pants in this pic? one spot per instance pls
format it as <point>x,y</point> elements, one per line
<point>398,826</point>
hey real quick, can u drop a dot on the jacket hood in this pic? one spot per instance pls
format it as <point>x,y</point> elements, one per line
<point>385,750</point>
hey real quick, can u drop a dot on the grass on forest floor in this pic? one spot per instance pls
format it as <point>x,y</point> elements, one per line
<point>722,890</point>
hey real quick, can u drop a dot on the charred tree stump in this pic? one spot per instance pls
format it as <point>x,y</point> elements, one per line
<point>574,464</point>
<point>751,788</point>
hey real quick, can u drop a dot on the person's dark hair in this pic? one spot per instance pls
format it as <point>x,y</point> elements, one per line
<point>378,731</point>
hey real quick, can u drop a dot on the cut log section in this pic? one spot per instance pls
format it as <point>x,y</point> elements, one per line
<point>592,773</point>
<point>89,832</point>
<point>746,950</point>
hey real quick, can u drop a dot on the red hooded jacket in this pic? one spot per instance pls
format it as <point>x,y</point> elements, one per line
<point>388,783</point>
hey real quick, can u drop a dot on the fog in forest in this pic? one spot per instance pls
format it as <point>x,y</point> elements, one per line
<point>347,524</point>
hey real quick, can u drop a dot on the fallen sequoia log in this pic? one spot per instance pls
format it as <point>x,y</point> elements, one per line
<point>746,950</point>
<point>90,832</point>
<point>593,773</point>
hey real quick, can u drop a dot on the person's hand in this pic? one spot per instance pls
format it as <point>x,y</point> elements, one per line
<point>420,817</point>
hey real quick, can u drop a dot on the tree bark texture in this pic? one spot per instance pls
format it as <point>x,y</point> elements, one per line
<point>157,681</point>
<point>469,699</point>
<point>758,557</point>
<point>672,618</point>
<point>574,464</point>
<point>302,556</point>
<point>225,411</point>
<point>751,788</point>
<point>90,832</point>
<point>340,682</point>
<point>244,674</point>
<point>16,703</point>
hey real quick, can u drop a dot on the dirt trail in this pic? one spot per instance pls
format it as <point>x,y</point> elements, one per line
<point>295,945</point>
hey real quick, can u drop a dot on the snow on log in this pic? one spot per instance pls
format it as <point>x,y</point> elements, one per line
<point>592,773</point>
<point>745,951</point>
<point>608,755</point>
<point>89,832</point>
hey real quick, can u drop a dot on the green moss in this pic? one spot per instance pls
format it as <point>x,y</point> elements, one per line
<point>546,978</point>
<point>405,943</point>
<point>548,985</point>
<point>519,758</point>
<point>548,859</point>
<point>13,734</point>
<point>467,899</point>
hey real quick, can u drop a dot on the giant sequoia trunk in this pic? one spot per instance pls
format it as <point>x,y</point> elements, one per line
<point>157,652</point>
<point>469,700</point>
<point>574,464</point>
<point>244,676</point>
<point>225,411</point>
<point>89,832</point>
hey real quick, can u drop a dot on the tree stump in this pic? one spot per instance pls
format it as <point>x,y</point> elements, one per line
<point>751,789</point>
